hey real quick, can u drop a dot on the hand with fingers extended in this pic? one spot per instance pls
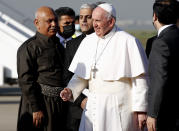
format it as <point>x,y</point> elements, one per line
<point>151,124</point>
<point>83,103</point>
<point>38,118</point>
<point>66,94</point>
<point>142,120</point>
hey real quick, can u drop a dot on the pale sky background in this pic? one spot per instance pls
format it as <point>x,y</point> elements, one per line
<point>129,10</point>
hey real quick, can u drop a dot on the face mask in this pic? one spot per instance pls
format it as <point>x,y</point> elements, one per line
<point>68,30</point>
<point>77,27</point>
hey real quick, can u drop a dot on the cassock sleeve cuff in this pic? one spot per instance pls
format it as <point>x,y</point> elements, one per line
<point>77,85</point>
<point>139,93</point>
<point>139,109</point>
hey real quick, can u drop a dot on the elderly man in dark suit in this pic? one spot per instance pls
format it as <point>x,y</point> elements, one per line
<point>86,25</point>
<point>163,67</point>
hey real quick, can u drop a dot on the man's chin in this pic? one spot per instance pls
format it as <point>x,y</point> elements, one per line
<point>98,34</point>
<point>84,29</point>
<point>52,34</point>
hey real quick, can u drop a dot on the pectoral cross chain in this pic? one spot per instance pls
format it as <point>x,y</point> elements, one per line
<point>94,70</point>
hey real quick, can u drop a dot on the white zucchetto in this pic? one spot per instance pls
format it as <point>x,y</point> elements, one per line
<point>109,8</point>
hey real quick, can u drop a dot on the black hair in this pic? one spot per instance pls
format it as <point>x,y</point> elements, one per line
<point>166,12</point>
<point>77,17</point>
<point>65,11</point>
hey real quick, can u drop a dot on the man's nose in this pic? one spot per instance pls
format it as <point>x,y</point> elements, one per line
<point>84,19</point>
<point>54,23</point>
<point>95,24</point>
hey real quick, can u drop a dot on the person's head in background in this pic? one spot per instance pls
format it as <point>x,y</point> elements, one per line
<point>85,18</point>
<point>46,21</point>
<point>77,24</point>
<point>174,2</point>
<point>66,21</point>
<point>165,12</point>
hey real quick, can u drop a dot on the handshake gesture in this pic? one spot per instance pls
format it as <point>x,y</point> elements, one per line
<point>66,94</point>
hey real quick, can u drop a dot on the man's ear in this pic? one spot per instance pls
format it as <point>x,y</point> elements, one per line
<point>112,22</point>
<point>36,22</point>
<point>155,18</point>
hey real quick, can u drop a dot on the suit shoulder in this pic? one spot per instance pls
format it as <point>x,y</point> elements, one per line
<point>76,41</point>
<point>151,38</point>
<point>80,36</point>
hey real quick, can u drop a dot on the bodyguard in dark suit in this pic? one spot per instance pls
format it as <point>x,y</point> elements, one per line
<point>151,40</point>
<point>75,109</point>
<point>163,70</point>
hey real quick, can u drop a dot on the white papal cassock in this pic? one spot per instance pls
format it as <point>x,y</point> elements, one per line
<point>119,87</point>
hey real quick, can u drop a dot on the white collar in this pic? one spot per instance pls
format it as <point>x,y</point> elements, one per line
<point>162,28</point>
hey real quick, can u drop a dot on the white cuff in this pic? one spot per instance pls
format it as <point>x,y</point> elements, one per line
<point>139,93</point>
<point>77,85</point>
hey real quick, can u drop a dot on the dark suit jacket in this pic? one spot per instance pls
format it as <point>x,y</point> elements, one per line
<point>71,48</point>
<point>74,110</point>
<point>163,94</point>
<point>149,45</point>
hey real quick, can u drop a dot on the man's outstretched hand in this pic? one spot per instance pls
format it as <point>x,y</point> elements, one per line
<point>151,124</point>
<point>66,94</point>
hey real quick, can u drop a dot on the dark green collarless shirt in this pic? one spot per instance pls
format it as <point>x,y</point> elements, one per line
<point>39,61</point>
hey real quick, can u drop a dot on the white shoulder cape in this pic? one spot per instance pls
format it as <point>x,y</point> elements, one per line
<point>124,57</point>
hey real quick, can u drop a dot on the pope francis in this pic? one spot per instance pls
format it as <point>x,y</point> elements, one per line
<point>113,64</point>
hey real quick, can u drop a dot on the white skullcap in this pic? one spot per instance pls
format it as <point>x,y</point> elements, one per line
<point>109,8</point>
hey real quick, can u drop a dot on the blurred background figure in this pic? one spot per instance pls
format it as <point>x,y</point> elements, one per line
<point>66,23</point>
<point>77,27</point>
